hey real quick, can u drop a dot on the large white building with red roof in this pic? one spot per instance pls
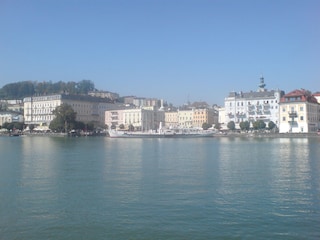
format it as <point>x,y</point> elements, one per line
<point>299,112</point>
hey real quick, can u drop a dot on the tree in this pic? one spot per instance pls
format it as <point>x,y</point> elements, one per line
<point>31,127</point>
<point>17,90</point>
<point>217,126</point>
<point>245,125</point>
<point>121,126</point>
<point>85,86</point>
<point>259,125</point>
<point>271,125</point>
<point>231,125</point>
<point>65,118</point>
<point>206,126</point>
<point>131,127</point>
<point>78,125</point>
<point>13,125</point>
<point>90,126</point>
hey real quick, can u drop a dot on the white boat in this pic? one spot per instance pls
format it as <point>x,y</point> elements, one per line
<point>163,133</point>
<point>138,134</point>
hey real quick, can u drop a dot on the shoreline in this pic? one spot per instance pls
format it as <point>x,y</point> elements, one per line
<point>270,135</point>
<point>222,135</point>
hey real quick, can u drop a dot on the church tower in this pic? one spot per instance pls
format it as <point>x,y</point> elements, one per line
<point>262,85</point>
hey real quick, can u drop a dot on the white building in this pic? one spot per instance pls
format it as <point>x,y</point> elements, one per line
<point>39,110</point>
<point>10,117</point>
<point>142,119</point>
<point>104,94</point>
<point>252,106</point>
<point>185,118</point>
<point>299,112</point>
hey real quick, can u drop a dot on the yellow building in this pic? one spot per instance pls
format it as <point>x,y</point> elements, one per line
<point>299,112</point>
<point>201,116</point>
<point>185,118</point>
<point>171,119</point>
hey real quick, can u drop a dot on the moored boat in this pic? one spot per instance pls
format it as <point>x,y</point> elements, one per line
<point>167,133</point>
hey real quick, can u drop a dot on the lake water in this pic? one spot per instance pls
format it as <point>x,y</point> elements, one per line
<point>204,188</point>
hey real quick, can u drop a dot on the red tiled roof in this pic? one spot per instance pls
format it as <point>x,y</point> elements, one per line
<point>305,96</point>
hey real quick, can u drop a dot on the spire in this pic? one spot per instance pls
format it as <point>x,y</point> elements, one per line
<point>262,85</point>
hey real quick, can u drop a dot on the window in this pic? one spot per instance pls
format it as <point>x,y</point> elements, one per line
<point>283,118</point>
<point>301,108</point>
<point>301,118</point>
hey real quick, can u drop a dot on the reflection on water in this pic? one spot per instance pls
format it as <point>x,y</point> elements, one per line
<point>97,188</point>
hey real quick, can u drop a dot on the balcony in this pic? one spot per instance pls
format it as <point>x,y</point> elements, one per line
<point>241,115</point>
<point>266,107</point>
<point>293,114</point>
<point>230,115</point>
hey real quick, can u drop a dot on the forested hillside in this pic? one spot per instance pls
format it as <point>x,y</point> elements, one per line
<point>23,89</point>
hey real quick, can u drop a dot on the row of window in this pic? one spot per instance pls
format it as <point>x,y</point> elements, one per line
<point>284,109</point>
<point>301,118</point>
<point>238,104</point>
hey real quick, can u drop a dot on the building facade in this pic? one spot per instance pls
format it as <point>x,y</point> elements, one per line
<point>299,112</point>
<point>185,118</point>
<point>252,106</point>
<point>39,110</point>
<point>203,115</point>
<point>142,119</point>
<point>9,117</point>
<point>171,119</point>
<point>104,94</point>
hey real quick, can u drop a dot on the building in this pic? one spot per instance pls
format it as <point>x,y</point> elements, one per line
<point>142,119</point>
<point>9,117</point>
<point>252,106</point>
<point>299,112</point>
<point>113,118</point>
<point>185,118</point>
<point>203,115</point>
<point>142,102</point>
<point>317,96</point>
<point>11,105</point>
<point>39,110</point>
<point>171,119</point>
<point>104,94</point>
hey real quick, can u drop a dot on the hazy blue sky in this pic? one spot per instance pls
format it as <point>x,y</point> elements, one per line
<point>171,49</point>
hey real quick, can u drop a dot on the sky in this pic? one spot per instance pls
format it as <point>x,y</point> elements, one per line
<point>176,50</point>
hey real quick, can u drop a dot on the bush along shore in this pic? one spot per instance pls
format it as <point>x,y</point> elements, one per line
<point>267,134</point>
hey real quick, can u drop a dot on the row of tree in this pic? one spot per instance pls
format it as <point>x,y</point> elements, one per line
<point>256,125</point>
<point>23,89</point>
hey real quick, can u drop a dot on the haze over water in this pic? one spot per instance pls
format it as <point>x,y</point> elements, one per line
<point>205,188</point>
